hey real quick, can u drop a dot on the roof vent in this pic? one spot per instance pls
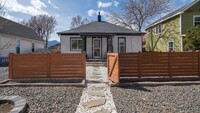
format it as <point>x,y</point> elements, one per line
<point>99,17</point>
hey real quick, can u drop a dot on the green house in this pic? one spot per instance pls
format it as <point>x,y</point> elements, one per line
<point>167,33</point>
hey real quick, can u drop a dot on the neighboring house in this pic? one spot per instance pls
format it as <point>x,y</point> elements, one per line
<point>170,30</point>
<point>98,38</point>
<point>55,48</point>
<point>16,38</point>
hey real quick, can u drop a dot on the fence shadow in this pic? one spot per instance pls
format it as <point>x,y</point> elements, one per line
<point>144,83</point>
<point>135,86</point>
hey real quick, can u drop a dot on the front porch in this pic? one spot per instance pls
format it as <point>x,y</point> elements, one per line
<point>97,46</point>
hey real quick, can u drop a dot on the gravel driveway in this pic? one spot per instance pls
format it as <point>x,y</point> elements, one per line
<point>3,73</point>
<point>47,99</point>
<point>167,99</point>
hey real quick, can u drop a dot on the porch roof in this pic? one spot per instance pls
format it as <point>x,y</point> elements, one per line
<point>100,28</point>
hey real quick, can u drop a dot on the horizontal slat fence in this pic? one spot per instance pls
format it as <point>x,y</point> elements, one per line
<point>47,65</point>
<point>149,64</point>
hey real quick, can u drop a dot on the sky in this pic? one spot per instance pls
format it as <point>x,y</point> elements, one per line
<point>65,10</point>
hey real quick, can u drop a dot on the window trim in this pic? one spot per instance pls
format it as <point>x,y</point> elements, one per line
<point>159,30</point>
<point>168,45</point>
<point>17,46</point>
<point>75,38</point>
<point>33,47</point>
<point>124,44</point>
<point>194,19</point>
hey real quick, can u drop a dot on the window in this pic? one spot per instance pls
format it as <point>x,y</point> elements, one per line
<point>149,31</point>
<point>122,45</point>
<point>170,46</point>
<point>33,47</point>
<point>18,46</point>
<point>158,29</point>
<point>76,44</point>
<point>196,21</point>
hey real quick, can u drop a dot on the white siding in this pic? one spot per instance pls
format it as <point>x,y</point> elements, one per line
<point>25,45</point>
<point>65,44</point>
<point>89,47</point>
<point>9,49</point>
<point>115,44</point>
<point>133,43</point>
<point>104,48</point>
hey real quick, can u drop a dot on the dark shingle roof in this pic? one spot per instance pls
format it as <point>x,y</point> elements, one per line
<point>174,13</point>
<point>100,28</point>
<point>9,27</point>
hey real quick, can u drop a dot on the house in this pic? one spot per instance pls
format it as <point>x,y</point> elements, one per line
<point>55,48</point>
<point>16,38</point>
<point>98,38</point>
<point>167,33</point>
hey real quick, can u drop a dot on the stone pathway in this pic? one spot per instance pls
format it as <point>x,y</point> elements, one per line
<point>96,98</point>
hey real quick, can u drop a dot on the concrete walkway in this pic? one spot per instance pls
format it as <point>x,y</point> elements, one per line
<point>96,98</point>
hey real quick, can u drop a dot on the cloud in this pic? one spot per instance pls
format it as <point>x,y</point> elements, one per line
<point>116,3</point>
<point>35,8</point>
<point>53,5</point>
<point>104,4</point>
<point>91,12</point>
<point>38,4</point>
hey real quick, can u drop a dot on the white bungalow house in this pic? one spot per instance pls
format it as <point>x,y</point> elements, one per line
<point>98,38</point>
<point>16,38</point>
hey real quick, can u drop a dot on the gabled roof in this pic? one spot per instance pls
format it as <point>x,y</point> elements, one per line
<point>9,27</point>
<point>100,28</point>
<point>174,13</point>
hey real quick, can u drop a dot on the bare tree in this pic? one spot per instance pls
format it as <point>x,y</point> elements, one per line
<point>135,13</point>
<point>43,25</point>
<point>78,21</point>
<point>168,33</point>
<point>4,44</point>
<point>2,4</point>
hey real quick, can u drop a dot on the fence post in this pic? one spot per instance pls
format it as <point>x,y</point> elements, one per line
<point>108,64</point>
<point>118,61</point>
<point>84,64</point>
<point>199,62</point>
<point>170,63</point>
<point>49,65</point>
<point>11,66</point>
<point>139,64</point>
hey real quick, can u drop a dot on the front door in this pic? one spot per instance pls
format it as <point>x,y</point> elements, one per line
<point>96,47</point>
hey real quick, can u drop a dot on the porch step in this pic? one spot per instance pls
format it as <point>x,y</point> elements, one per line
<point>97,64</point>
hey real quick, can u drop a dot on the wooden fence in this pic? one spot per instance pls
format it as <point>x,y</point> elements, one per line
<point>47,65</point>
<point>149,64</point>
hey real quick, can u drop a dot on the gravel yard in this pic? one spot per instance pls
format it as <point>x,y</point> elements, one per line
<point>47,99</point>
<point>167,99</point>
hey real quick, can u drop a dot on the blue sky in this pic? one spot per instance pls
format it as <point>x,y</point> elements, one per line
<point>64,10</point>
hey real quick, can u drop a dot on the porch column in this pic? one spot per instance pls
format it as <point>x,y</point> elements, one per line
<point>83,43</point>
<point>110,45</point>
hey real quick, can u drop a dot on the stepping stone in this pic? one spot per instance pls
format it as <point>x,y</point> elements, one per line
<point>96,88</point>
<point>96,80</point>
<point>96,73</point>
<point>94,103</point>
<point>98,94</point>
<point>102,111</point>
<point>95,77</point>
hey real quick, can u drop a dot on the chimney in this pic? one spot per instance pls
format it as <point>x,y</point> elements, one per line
<point>99,17</point>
